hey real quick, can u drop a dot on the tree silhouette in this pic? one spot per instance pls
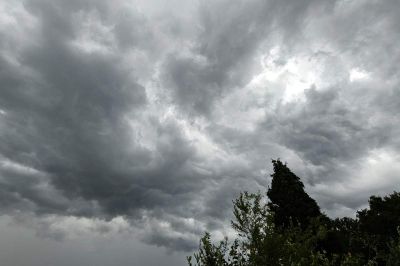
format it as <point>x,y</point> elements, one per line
<point>288,200</point>
<point>383,216</point>
<point>380,223</point>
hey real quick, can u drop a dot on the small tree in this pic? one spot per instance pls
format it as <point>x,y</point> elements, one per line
<point>259,242</point>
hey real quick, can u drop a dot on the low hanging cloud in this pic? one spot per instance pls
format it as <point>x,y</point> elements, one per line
<point>161,116</point>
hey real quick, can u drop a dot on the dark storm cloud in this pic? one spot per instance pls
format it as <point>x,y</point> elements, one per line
<point>70,119</point>
<point>118,109</point>
<point>325,128</point>
<point>67,140</point>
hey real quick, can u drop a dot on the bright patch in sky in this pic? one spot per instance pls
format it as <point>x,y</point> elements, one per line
<point>296,74</point>
<point>300,76</point>
<point>357,74</point>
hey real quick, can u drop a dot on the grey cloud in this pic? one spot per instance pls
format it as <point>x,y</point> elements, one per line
<point>223,56</point>
<point>331,131</point>
<point>116,248</point>
<point>69,121</point>
<point>162,239</point>
<point>322,129</point>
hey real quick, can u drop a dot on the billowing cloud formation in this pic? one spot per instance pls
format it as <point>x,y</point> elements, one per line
<point>160,116</point>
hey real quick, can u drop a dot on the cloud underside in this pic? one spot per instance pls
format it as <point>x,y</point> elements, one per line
<point>162,116</point>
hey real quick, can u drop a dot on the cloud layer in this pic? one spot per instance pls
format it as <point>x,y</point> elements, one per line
<point>160,116</point>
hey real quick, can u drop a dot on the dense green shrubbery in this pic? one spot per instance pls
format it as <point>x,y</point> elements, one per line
<point>291,230</point>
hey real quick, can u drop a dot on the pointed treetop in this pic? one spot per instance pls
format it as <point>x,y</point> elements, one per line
<point>288,200</point>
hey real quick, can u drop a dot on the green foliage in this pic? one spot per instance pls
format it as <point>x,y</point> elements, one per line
<point>379,225</point>
<point>210,254</point>
<point>382,217</point>
<point>290,230</point>
<point>394,252</point>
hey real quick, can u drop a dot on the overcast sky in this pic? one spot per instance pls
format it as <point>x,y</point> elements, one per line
<point>128,127</point>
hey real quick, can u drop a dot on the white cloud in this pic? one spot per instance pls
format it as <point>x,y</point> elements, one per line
<point>357,74</point>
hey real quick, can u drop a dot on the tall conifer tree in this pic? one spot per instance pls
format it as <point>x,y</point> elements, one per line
<point>288,200</point>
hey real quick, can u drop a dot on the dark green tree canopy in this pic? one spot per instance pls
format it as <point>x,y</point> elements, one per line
<point>383,216</point>
<point>288,200</point>
<point>290,230</point>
